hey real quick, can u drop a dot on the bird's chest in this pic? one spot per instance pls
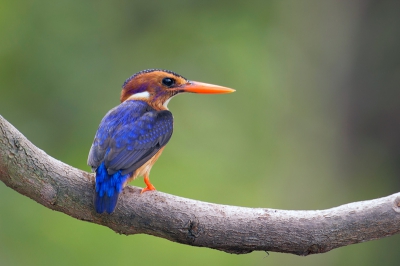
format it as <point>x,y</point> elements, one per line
<point>146,167</point>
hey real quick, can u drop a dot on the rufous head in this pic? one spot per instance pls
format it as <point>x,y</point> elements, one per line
<point>157,87</point>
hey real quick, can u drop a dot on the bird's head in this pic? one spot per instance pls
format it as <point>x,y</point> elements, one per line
<point>157,87</point>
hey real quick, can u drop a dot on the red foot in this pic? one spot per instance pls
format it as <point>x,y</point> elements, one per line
<point>148,184</point>
<point>148,189</point>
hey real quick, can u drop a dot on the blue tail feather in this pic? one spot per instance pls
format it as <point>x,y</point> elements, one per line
<point>108,188</point>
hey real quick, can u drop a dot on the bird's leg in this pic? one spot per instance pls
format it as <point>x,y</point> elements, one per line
<point>148,184</point>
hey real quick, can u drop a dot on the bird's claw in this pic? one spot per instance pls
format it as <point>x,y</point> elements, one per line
<point>148,188</point>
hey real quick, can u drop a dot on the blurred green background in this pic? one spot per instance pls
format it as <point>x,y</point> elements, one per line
<point>314,122</point>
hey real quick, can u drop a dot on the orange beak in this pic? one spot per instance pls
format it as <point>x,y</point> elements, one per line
<point>205,88</point>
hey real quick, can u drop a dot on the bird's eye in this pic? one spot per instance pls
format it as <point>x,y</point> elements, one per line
<point>168,82</point>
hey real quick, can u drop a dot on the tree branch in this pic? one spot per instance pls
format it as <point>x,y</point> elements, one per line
<point>60,187</point>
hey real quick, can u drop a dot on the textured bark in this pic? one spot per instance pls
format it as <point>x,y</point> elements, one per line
<point>60,187</point>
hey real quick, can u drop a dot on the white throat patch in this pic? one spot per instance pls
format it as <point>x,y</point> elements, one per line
<point>167,101</point>
<point>141,95</point>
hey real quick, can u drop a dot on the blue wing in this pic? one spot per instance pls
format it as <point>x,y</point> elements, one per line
<point>129,135</point>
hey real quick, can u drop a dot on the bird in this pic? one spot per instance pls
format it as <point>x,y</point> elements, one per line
<point>132,135</point>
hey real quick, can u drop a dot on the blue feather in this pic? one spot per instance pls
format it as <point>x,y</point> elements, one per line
<point>108,188</point>
<point>128,136</point>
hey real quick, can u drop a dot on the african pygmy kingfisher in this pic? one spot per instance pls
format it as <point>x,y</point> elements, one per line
<point>132,136</point>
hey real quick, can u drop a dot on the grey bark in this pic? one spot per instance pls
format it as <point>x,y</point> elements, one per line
<point>58,186</point>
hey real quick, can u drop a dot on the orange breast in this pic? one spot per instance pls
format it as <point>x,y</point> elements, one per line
<point>145,168</point>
